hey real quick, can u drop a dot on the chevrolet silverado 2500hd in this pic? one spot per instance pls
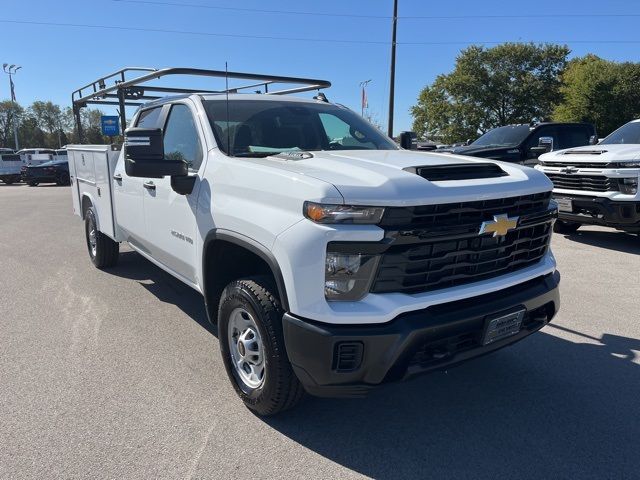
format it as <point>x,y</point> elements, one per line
<point>331,260</point>
<point>598,185</point>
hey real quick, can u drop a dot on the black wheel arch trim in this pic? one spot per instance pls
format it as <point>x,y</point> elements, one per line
<point>254,247</point>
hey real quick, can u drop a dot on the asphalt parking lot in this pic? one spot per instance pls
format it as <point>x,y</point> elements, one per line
<point>118,375</point>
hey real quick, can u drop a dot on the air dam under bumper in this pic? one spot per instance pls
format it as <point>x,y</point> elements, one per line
<point>347,361</point>
<point>602,211</point>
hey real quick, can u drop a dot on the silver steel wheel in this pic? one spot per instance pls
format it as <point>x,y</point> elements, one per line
<point>246,348</point>
<point>93,243</point>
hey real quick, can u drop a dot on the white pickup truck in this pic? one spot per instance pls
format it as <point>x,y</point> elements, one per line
<point>598,185</point>
<point>331,260</point>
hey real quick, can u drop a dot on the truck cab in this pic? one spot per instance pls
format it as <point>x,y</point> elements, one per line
<point>598,185</point>
<point>524,143</point>
<point>331,260</point>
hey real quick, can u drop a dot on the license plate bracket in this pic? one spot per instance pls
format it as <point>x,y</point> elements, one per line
<point>502,326</point>
<point>564,204</point>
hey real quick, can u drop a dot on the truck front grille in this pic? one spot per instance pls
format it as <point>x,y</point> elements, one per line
<point>590,183</point>
<point>447,249</point>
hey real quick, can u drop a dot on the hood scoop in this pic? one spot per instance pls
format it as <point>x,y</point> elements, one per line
<point>458,171</point>
<point>584,152</point>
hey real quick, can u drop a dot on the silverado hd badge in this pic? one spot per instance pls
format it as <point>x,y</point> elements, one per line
<point>499,226</point>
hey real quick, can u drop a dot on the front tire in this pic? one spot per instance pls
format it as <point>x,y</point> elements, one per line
<point>102,250</point>
<point>252,347</point>
<point>565,227</point>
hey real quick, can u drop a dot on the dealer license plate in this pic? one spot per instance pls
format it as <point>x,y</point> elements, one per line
<point>503,326</point>
<point>564,204</point>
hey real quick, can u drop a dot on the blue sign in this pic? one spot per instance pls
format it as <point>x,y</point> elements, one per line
<point>110,125</point>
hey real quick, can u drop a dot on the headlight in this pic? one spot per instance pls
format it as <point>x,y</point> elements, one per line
<point>348,275</point>
<point>629,185</point>
<point>324,213</point>
<point>632,164</point>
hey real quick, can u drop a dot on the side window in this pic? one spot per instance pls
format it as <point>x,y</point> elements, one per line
<point>574,137</point>
<point>149,118</point>
<point>181,140</point>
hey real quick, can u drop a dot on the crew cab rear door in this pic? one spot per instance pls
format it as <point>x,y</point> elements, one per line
<point>171,217</point>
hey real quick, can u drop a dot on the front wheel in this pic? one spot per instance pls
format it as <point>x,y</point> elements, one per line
<point>562,226</point>
<point>252,347</point>
<point>102,250</point>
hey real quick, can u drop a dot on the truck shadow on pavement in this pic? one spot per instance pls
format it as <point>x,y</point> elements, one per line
<point>544,408</point>
<point>167,289</point>
<point>547,407</point>
<point>612,240</point>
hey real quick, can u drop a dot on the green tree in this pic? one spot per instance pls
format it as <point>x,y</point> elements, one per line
<point>599,91</point>
<point>490,87</point>
<point>10,112</point>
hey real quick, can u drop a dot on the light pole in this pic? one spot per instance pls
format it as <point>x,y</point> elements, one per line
<point>392,80</point>
<point>11,70</point>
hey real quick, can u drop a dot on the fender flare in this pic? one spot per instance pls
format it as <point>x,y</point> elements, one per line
<point>90,198</point>
<point>254,247</point>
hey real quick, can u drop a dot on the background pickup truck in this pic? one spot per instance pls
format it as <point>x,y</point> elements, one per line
<point>598,185</point>
<point>331,260</point>
<point>524,143</point>
<point>10,165</point>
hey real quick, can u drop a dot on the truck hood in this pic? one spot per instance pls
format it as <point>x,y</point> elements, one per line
<point>480,150</point>
<point>594,154</point>
<point>378,177</point>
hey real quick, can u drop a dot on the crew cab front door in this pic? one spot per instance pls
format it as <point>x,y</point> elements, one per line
<point>171,217</point>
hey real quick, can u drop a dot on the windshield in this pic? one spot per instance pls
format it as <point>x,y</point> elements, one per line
<point>258,128</point>
<point>629,133</point>
<point>504,136</point>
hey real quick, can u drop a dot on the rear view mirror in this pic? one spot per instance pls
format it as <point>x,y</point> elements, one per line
<point>144,155</point>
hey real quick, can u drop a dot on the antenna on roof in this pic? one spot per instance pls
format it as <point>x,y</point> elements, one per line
<point>226,88</point>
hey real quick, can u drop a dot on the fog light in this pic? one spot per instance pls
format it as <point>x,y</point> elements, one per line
<point>348,275</point>
<point>629,185</point>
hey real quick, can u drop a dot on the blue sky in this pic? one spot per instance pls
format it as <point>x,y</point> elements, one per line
<point>57,59</point>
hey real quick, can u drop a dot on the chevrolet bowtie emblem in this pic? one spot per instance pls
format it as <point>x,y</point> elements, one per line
<point>499,226</point>
<point>569,170</point>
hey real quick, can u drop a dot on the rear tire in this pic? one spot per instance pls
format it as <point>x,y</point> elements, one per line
<point>8,181</point>
<point>103,251</point>
<point>564,227</point>
<point>253,349</point>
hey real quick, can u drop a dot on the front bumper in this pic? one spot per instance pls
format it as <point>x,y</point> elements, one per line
<point>602,211</point>
<point>414,342</point>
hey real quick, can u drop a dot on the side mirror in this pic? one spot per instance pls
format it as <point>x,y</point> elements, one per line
<point>406,140</point>
<point>593,140</point>
<point>537,151</point>
<point>546,142</point>
<point>144,155</point>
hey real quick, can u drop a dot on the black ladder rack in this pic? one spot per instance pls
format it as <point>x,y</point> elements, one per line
<point>117,89</point>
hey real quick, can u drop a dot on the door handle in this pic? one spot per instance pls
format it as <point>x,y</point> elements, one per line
<point>117,177</point>
<point>149,185</point>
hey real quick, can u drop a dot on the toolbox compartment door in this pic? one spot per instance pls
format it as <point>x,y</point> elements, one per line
<point>91,170</point>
